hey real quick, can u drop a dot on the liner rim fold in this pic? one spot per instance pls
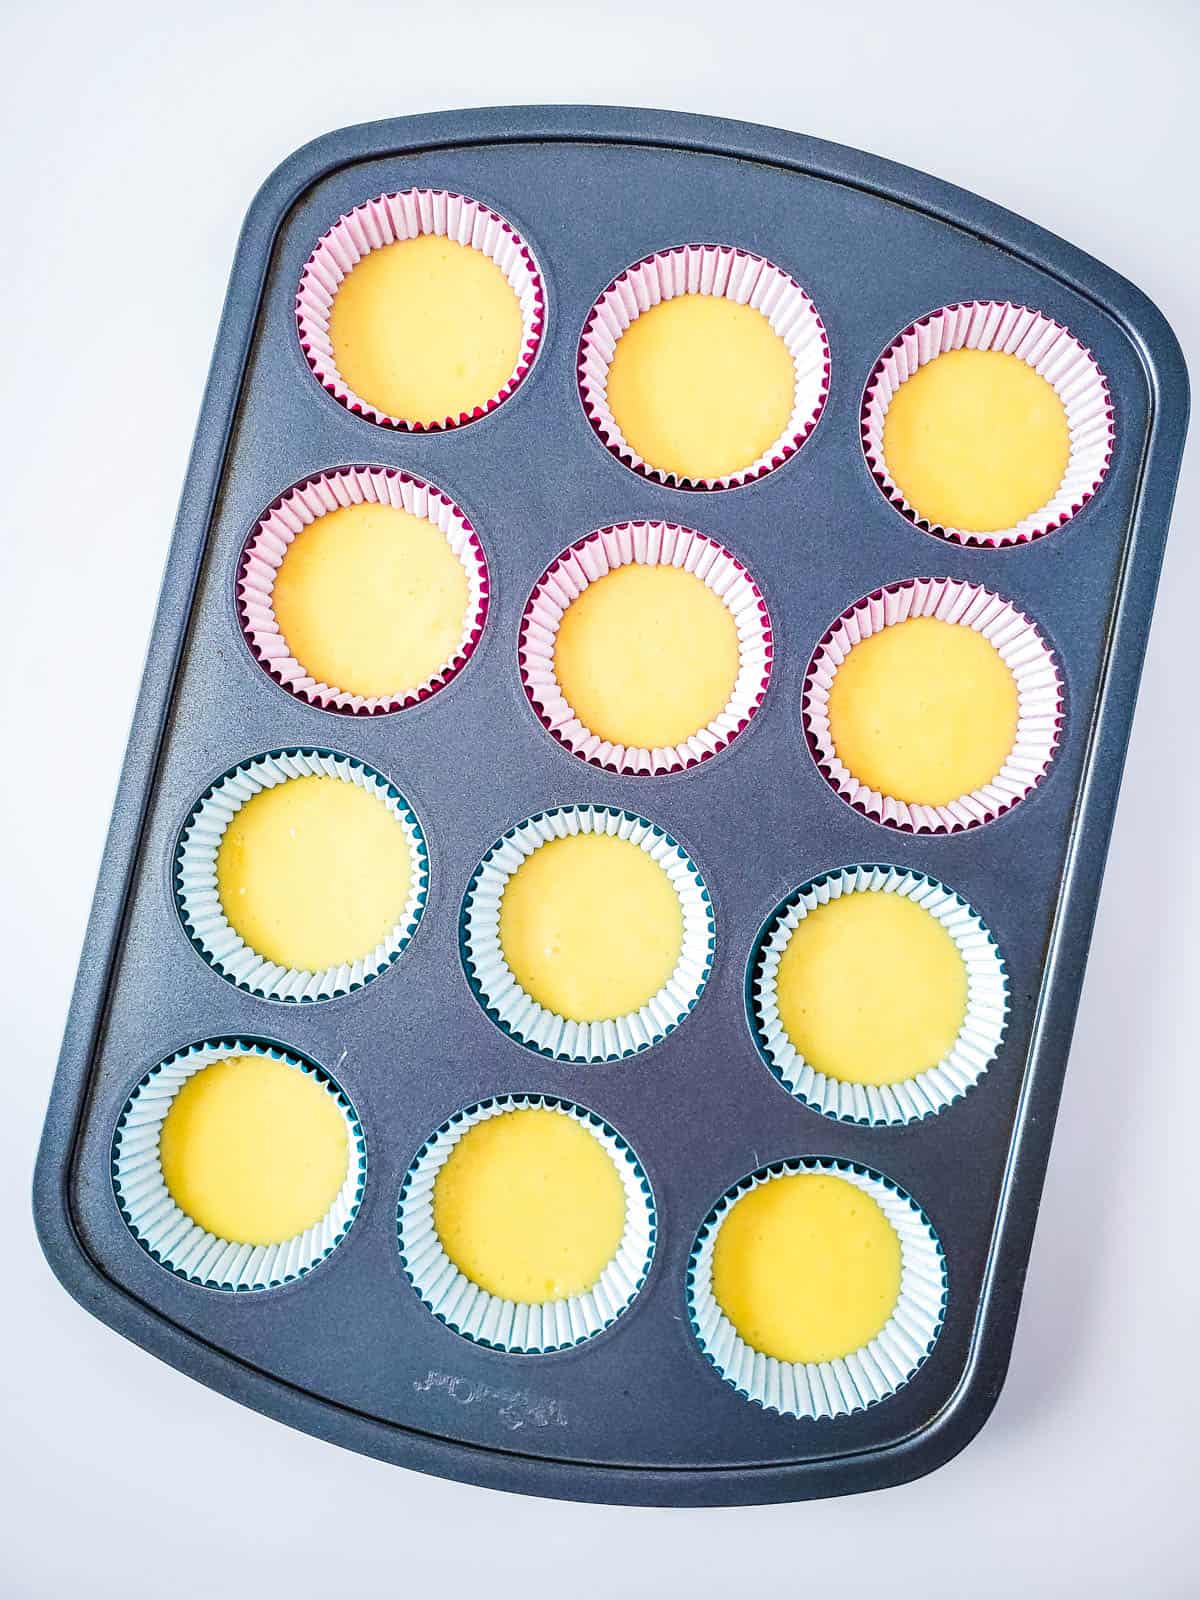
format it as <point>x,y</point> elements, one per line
<point>167,1234</point>
<point>194,877</point>
<point>923,1094</point>
<point>863,1377</point>
<point>644,543</point>
<point>523,1327</point>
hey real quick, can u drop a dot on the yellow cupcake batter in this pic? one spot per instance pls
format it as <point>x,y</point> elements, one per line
<point>425,329</point>
<point>590,926</point>
<point>700,386</point>
<point>371,600</point>
<point>871,988</point>
<point>807,1267</point>
<point>314,872</point>
<point>529,1206</point>
<point>924,711</point>
<point>647,656</point>
<point>253,1150</point>
<point>976,439</point>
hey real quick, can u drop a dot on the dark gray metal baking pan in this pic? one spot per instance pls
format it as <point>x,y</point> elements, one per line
<point>349,1353</point>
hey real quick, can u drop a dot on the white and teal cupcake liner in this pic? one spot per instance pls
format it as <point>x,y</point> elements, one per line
<point>865,1376</point>
<point>518,1013</point>
<point>522,1327</point>
<point>168,1234</point>
<point>924,1094</point>
<point>199,904</point>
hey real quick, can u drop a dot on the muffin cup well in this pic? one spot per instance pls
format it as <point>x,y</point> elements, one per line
<point>648,544</point>
<point>730,274</point>
<point>518,1013</point>
<point>1021,648</point>
<point>303,504</point>
<point>861,1378</point>
<point>195,877</point>
<point>408,215</point>
<point>927,1092</point>
<point>522,1327</point>
<point>1045,345</point>
<point>168,1234</point>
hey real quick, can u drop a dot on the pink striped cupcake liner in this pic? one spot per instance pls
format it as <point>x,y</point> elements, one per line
<point>1020,646</point>
<point>649,544</point>
<point>407,215</point>
<point>732,274</point>
<point>1051,350</point>
<point>300,506</point>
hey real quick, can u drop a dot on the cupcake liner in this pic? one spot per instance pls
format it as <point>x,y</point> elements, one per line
<point>731,274</point>
<point>852,1382</point>
<point>650,544</point>
<point>1021,647</point>
<point>300,506</point>
<point>926,1092</point>
<point>168,1234</point>
<point>522,1327</point>
<point>1051,350</point>
<point>518,1013</point>
<point>199,904</point>
<point>408,215</point>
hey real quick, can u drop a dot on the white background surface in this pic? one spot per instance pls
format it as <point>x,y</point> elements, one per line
<point>133,137</point>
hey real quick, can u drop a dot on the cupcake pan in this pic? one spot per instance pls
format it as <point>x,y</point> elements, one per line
<point>636,1413</point>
